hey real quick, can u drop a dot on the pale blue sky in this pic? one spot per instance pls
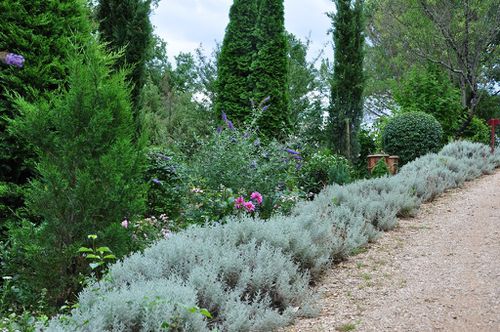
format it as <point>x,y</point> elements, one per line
<point>184,24</point>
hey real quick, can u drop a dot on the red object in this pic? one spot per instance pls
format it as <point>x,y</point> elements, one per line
<point>493,123</point>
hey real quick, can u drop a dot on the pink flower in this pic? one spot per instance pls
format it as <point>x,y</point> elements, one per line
<point>249,206</point>
<point>125,223</point>
<point>256,196</point>
<point>239,202</point>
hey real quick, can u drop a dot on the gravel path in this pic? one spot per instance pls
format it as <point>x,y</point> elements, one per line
<point>439,271</point>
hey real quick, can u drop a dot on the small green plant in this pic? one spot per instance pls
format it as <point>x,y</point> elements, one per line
<point>175,324</point>
<point>99,256</point>
<point>358,251</point>
<point>380,169</point>
<point>346,327</point>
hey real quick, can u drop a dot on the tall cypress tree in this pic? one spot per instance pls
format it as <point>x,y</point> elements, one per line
<point>126,24</point>
<point>346,109</point>
<point>270,69</point>
<point>44,32</point>
<point>235,60</point>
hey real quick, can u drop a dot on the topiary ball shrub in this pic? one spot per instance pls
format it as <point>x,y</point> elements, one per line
<point>411,135</point>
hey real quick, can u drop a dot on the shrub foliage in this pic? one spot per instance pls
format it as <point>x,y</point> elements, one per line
<point>323,169</point>
<point>411,135</point>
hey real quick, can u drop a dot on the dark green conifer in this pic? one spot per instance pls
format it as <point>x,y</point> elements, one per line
<point>44,32</point>
<point>346,110</point>
<point>90,175</point>
<point>234,64</point>
<point>126,24</point>
<point>270,69</point>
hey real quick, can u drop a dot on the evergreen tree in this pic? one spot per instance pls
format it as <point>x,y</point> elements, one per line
<point>43,32</point>
<point>346,109</point>
<point>234,90</point>
<point>126,24</point>
<point>269,76</point>
<point>90,175</point>
<point>428,89</point>
<point>301,78</point>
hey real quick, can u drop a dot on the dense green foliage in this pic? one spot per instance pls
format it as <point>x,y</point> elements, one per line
<point>167,176</point>
<point>269,78</point>
<point>171,114</point>
<point>253,275</point>
<point>478,131</point>
<point>346,109</point>
<point>411,135</point>
<point>489,106</point>
<point>125,25</point>
<point>429,90</point>
<point>234,90</point>
<point>90,175</point>
<point>43,32</point>
<point>322,169</point>
<point>302,79</point>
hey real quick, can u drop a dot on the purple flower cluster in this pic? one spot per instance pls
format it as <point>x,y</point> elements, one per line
<point>228,122</point>
<point>296,155</point>
<point>13,59</point>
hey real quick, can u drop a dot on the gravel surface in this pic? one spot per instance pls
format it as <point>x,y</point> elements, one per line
<point>439,271</point>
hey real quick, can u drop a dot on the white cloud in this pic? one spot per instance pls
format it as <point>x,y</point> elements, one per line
<point>184,24</point>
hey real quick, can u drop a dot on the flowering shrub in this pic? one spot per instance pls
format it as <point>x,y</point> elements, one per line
<point>284,201</point>
<point>205,204</point>
<point>236,159</point>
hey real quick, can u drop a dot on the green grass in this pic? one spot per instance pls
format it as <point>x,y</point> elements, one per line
<point>359,250</point>
<point>346,327</point>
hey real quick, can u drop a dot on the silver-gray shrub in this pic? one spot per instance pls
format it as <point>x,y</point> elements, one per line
<point>457,162</point>
<point>253,281</point>
<point>138,306</point>
<point>376,201</point>
<point>253,275</point>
